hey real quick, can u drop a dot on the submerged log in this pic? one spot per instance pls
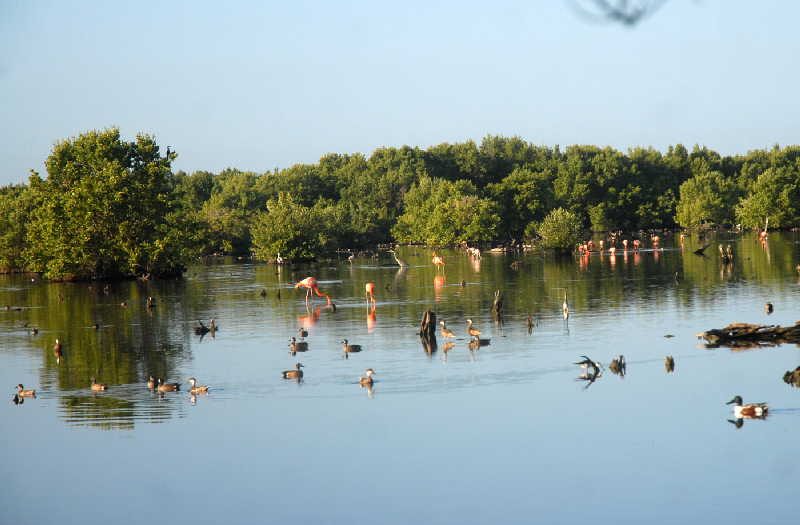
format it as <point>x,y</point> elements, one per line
<point>746,335</point>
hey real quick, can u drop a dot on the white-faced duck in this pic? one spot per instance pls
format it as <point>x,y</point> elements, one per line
<point>302,333</point>
<point>366,379</point>
<point>297,346</point>
<point>151,383</point>
<point>21,392</point>
<point>197,389</point>
<point>98,387</point>
<point>349,349</point>
<point>168,387</point>
<point>446,332</point>
<point>749,410</point>
<point>471,330</point>
<point>294,374</point>
<point>768,308</point>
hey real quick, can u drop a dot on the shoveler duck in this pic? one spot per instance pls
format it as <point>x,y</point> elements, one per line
<point>294,374</point>
<point>168,387</point>
<point>348,348</point>
<point>98,387</point>
<point>446,332</point>
<point>297,346</point>
<point>588,363</point>
<point>21,392</point>
<point>471,330</point>
<point>366,379</point>
<point>749,410</point>
<point>197,389</point>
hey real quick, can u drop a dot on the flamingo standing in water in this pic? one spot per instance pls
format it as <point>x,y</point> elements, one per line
<point>438,261</point>
<point>369,292</point>
<point>310,284</point>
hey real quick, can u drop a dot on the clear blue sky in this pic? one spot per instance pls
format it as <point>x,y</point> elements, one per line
<point>259,85</point>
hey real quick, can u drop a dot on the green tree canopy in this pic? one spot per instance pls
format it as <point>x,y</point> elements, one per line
<point>775,195</point>
<point>106,209</point>
<point>706,197</point>
<point>560,230</point>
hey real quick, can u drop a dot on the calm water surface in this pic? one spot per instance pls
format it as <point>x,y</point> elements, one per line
<point>506,432</point>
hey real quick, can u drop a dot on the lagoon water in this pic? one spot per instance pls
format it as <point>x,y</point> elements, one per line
<point>506,433</point>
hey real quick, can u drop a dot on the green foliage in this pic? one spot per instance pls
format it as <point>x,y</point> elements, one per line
<point>15,210</point>
<point>708,197</point>
<point>297,232</point>
<point>113,208</point>
<point>441,212</point>
<point>106,209</point>
<point>775,195</point>
<point>560,230</point>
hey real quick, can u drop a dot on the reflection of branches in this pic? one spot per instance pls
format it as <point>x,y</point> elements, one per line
<point>625,12</point>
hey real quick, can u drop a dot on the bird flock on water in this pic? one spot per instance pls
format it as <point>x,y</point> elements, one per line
<point>592,370</point>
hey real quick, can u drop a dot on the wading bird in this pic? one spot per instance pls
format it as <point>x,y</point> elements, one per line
<point>446,332</point>
<point>369,292</point>
<point>471,330</point>
<point>310,284</point>
<point>438,261</point>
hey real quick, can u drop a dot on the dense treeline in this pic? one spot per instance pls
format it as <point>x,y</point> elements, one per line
<point>110,208</point>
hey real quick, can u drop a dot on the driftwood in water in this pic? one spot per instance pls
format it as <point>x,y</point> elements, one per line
<point>427,331</point>
<point>746,335</point>
<point>497,306</point>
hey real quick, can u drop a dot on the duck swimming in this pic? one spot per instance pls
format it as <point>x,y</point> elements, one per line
<point>294,374</point>
<point>168,387</point>
<point>749,410</point>
<point>197,389</point>
<point>366,379</point>
<point>297,346</point>
<point>349,349</point>
<point>471,330</point>
<point>98,387</point>
<point>21,392</point>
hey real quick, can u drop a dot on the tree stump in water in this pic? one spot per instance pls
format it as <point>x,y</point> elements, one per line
<point>497,306</point>
<point>427,331</point>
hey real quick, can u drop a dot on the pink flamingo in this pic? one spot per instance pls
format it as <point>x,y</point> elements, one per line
<point>310,284</point>
<point>438,261</point>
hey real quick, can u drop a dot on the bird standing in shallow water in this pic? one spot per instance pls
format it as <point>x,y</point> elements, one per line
<point>446,332</point>
<point>369,292</point>
<point>438,261</point>
<point>565,307</point>
<point>471,330</point>
<point>310,284</point>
